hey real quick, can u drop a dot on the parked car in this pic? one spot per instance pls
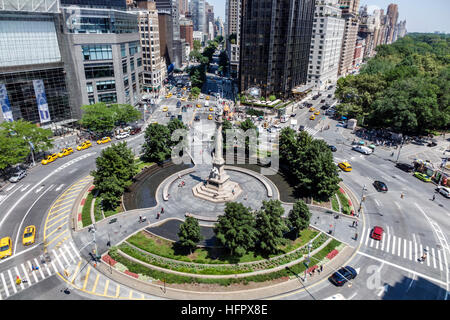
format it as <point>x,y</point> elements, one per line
<point>405,167</point>
<point>122,135</point>
<point>293,115</point>
<point>50,158</point>
<point>19,175</point>
<point>135,130</point>
<point>444,191</point>
<point>380,186</point>
<point>362,149</point>
<point>322,101</point>
<point>422,176</point>
<point>65,152</point>
<point>84,145</point>
<point>377,233</point>
<point>332,148</point>
<point>330,95</point>
<point>343,275</point>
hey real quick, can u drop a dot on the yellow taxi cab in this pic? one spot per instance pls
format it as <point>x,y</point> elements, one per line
<point>312,109</point>
<point>165,108</point>
<point>211,109</point>
<point>210,117</point>
<point>184,99</point>
<point>5,247</point>
<point>50,158</point>
<point>199,105</point>
<point>65,152</point>
<point>84,145</point>
<point>345,166</point>
<point>184,88</point>
<point>312,117</point>
<point>29,235</point>
<point>104,140</point>
<point>168,95</point>
<point>207,97</point>
<point>317,112</point>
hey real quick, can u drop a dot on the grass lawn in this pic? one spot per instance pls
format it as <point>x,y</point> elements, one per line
<point>345,207</point>
<point>334,203</point>
<point>169,249</point>
<point>141,164</point>
<point>97,210</point>
<point>86,211</point>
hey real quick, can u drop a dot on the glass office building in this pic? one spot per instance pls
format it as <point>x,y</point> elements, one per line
<point>109,4</point>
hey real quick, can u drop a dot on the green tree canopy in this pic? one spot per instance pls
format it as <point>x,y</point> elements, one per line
<point>270,226</point>
<point>98,117</point>
<point>125,113</point>
<point>299,216</point>
<point>13,149</point>
<point>189,233</point>
<point>236,229</point>
<point>157,143</point>
<point>28,132</point>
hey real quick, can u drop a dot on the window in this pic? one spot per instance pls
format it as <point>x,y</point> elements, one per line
<point>139,62</point>
<point>123,50</point>
<point>106,85</point>
<point>124,66</point>
<point>92,71</point>
<point>97,52</point>
<point>125,81</point>
<point>133,47</point>
<point>91,100</point>
<point>132,64</point>
<point>89,87</point>
<point>133,78</point>
<point>108,97</point>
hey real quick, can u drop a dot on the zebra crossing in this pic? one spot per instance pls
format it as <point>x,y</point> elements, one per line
<point>24,187</point>
<point>311,131</point>
<point>404,248</point>
<point>35,270</point>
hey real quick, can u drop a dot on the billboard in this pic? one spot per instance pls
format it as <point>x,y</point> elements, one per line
<point>41,100</point>
<point>4,102</point>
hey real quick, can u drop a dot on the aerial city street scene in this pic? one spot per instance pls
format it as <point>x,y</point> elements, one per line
<point>243,150</point>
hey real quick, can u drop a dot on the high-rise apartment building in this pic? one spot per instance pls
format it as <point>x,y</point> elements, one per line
<point>275,44</point>
<point>198,12</point>
<point>105,54</point>
<point>392,17</point>
<point>349,13</point>
<point>183,6</point>
<point>187,31</point>
<point>209,12</point>
<point>358,55</point>
<point>153,65</point>
<point>233,30</point>
<point>326,41</point>
<point>34,83</point>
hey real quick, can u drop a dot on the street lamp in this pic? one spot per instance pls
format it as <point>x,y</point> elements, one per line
<point>308,259</point>
<point>363,198</point>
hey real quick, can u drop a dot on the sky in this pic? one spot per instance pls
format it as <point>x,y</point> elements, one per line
<point>420,15</point>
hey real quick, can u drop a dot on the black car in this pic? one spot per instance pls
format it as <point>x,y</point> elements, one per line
<point>332,148</point>
<point>301,128</point>
<point>197,118</point>
<point>324,107</point>
<point>293,115</point>
<point>322,101</point>
<point>405,167</point>
<point>380,186</point>
<point>340,277</point>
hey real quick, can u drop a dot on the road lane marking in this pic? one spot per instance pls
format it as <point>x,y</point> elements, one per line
<point>76,271</point>
<point>117,291</point>
<point>88,271</point>
<point>68,252</point>
<point>12,281</point>
<point>64,256</point>
<point>362,236</point>
<point>74,249</point>
<point>57,229</point>
<point>54,267</point>
<point>39,268</point>
<point>60,187</point>
<point>415,251</point>
<point>440,262</point>
<point>57,216</point>
<point>39,189</point>
<point>371,243</point>
<point>376,244</point>
<point>399,251</point>
<point>26,187</point>
<point>5,286</point>
<point>53,212</point>
<point>428,260</point>
<point>393,244</point>
<point>10,187</point>
<point>388,242</point>
<point>368,236</point>
<point>95,283</point>
<point>106,287</point>
<point>421,250</point>
<point>403,268</point>
<point>382,243</point>
<point>59,261</point>
<point>404,248</point>
<point>62,198</point>
<point>61,204</point>
<point>410,250</point>
<point>434,257</point>
<point>59,220</point>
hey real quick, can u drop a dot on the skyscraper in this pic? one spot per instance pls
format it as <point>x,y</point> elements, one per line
<point>209,11</point>
<point>198,13</point>
<point>349,13</point>
<point>109,4</point>
<point>275,43</point>
<point>392,17</point>
<point>183,6</point>
<point>233,34</point>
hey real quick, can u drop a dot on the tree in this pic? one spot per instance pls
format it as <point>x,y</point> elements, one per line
<point>125,113</point>
<point>13,149</point>
<point>157,143</point>
<point>98,117</point>
<point>195,91</point>
<point>110,191</point>
<point>28,132</point>
<point>236,229</point>
<point>197,45</point>
<point>299,217</point>
<point>270,226</point>
<point>189,233</point>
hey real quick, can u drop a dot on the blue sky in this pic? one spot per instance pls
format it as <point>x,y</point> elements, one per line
<point>420,15</point>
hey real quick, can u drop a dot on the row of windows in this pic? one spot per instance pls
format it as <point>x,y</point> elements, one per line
<point>99,71</point>
<point>97,52</point>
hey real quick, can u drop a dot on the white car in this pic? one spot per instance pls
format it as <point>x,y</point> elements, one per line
<point>444,191</point>
<point>362,149</point>
<point>122,135</point>
<point>19,175</point>
<point>201,96</point>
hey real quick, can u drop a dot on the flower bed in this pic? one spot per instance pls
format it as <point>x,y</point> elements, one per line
<point>86,211</point>
<point>345,202</point>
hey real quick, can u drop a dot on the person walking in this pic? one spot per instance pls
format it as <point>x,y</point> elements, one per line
<point>434,197</point>
<point>402,195</point>
<point>321,267</point>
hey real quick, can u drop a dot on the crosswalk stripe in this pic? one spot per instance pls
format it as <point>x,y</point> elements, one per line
<point>415,251</point>
<point>12,281</point>
<point>421,249</point>
<point>382,243</point>
<point>59,261</point>
<point>410,250</point>
<point>362,236</point>
<point>393,244</point>
<point>75,250</point>
<point>434,258</point>
<point>54,267</point>
<point>404,248</point>
<point>388,242</point>
<point>39,269</point>
<point>440,261</point>
<point>68,252</point>
<point>428,260</point>
<point>26,274</point>
<point>399,251</point>
<point>367,237</point>
<point>376,244</point>
<point>5,286</point>
<point>32,272</point>
<point>18,274</point>
<point>371,243</point>
<point>47,267</point>
<point>64,256</point>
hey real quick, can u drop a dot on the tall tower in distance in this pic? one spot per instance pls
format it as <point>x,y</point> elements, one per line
<point>392,17</point>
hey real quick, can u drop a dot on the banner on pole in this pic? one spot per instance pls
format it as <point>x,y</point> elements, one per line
<point>4,102</point>
<point>41,100</point>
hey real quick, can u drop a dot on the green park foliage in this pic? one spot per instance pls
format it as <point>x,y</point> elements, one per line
<point>189,234</point>
<point>404,88</point>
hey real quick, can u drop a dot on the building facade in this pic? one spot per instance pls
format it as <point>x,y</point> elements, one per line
<point>326,41</point>
<point>198,12</point>
<point>187,31</point>
<point>233,30</point>
<point>106,4</point>
<point>349,13</point>
<point>33,76</point>
<point>392,17</point>
<point>209,12</point>
<point>105,52</point>
<point>275,43</point>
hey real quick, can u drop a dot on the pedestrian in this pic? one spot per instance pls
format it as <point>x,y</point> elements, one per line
<point>353,223</point>
<point>356,236</point>
<point>402,195</point>
<point>162,209</point>
<point>140,218</point>
<point>356,223</point>
<point>321,267</point>
<point>434,197</point>
<point>157,215</point>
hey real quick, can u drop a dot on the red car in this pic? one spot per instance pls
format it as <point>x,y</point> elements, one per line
<point>377,233</point>
<point>135,131</point>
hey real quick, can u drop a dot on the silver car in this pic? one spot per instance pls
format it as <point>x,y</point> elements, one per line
<point>19,175</point>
